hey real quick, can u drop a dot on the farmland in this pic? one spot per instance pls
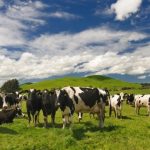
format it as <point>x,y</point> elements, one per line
<point>131,132</point>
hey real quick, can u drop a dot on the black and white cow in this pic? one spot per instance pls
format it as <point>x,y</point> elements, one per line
<point>106,95</point>
<point>79,99</point>
<point>9,100</point>
<point>7,115</point>
<point>142,101</point>
<point>48,105</point>
<point>115,105</point>
<point>130,99</point>
<point>34,105</point>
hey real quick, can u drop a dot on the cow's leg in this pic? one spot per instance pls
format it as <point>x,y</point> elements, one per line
<point>70,120</point>
<point>35,118</point>
<point>64,121</point>
<point>110,110</point>
<point>80,116</point>
<point>138,110</point>
<point>101,118</point>
<point>38,120</point>
<point>29,118</point>
<point>148,110</point>
<point>45,121</point>
<point>120,113</point>
<point>115,112</point>
<point>53,118</point>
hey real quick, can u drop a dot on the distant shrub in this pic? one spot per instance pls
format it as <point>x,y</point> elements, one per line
<point>127,88</point>
<point>145,85</point>
<point>10,86</point>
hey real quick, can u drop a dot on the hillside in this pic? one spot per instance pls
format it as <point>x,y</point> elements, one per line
<point>90,81</point>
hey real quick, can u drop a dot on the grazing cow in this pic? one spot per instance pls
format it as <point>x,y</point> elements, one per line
<point>115,105</point>
<point>79,99</point>
<point>48,105</point>
<point>142,101</point>
<point>33,105</point>
<point>7,115</point>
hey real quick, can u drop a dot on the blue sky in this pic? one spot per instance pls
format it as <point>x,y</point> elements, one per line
<point>54,38</point>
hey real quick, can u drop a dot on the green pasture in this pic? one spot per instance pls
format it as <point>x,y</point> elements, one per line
<point>130,133</point>
<point>111,84</point>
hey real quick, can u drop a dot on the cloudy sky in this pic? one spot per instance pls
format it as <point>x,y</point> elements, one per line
<point>55,38</point>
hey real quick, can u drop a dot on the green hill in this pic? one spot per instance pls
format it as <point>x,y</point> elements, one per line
<point>90,81</point>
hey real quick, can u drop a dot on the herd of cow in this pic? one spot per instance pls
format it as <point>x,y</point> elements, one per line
<point>69,100</point>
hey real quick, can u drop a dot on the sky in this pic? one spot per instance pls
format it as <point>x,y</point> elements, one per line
<point>55,38</point>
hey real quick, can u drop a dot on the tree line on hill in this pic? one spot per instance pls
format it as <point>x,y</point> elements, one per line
<point>10,86</point>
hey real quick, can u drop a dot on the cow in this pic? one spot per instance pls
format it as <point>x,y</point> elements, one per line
<point>115,105</point>
<point>7,115</point>
<point>130,99</point>
<point>142,101</point>
<point>48,105</point>
<point>8,100</point>
<point>104,92</point>
<point>33,105</point>
<point>83,100</point>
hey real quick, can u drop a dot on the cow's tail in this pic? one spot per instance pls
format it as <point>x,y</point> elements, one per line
<point>110,108</point>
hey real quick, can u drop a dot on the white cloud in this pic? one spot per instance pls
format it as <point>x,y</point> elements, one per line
<point>97,50</point>
<point>97,41</point>
<point>141,77</point>
<point>125,8</point>
<point>17,20</point>
<point>1,3</point>
<point>106,11</point>
<point>63,15</point>
<point>27,11</point>
<point>94,50</point>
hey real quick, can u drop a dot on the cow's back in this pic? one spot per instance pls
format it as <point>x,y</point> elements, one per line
<point>84,99</point>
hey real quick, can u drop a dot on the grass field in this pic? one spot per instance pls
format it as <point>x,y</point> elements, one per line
<point>111,84</point>
<point>130,133</point>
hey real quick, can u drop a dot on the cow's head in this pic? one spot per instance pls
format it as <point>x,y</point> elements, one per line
<point>32,94</point>
<point>5,103</point>
<point>62,99</point>
<point>123,96</point>
<point>45,94</point>
<point>106,96</point>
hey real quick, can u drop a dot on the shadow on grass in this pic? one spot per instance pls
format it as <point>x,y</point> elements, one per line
<point>126,117</point>
<point>4,130</point>
<point>80,133</point>
<point>50,125</point>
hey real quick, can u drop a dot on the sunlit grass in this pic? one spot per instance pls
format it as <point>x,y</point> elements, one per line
<point>131,132</point>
